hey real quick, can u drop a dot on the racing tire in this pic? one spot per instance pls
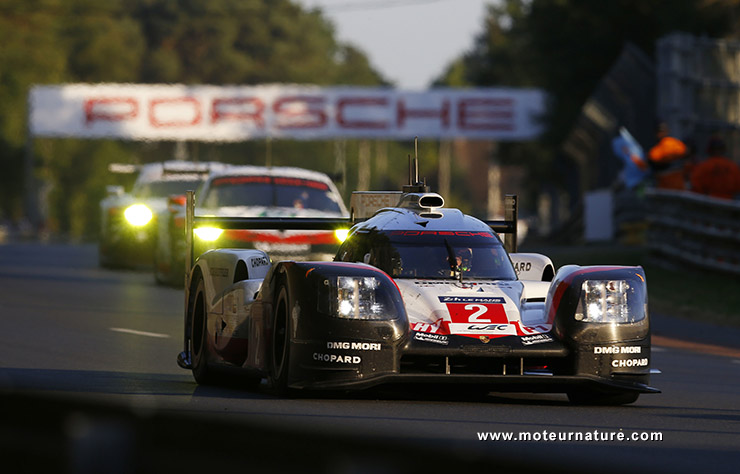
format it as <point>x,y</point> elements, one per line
<point>601,398</point>
<point>280,347</point>
<point>199,336</point>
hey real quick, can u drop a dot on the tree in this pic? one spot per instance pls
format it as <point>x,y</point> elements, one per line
<point>565,47</point>
<point>150,41</point>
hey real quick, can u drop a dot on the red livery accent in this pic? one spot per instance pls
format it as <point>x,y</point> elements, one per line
<point>440,232</point>
<point>313,238</point>
<point>478,313</point>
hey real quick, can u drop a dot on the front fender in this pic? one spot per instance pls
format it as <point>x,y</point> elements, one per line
<point>221,268</point>
<point>324,343</point>
<point>606,349</point>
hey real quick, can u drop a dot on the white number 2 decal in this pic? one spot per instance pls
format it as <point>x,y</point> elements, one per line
<point>481,310</point>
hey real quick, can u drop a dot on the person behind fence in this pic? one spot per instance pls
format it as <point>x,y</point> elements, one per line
<point>717,176</point>
<point>667,160</point>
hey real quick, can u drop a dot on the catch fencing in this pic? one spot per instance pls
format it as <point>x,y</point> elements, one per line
<point>685,227</point>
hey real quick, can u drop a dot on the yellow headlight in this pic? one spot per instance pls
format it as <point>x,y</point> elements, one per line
<point>208,234</point>
<point>341,234</point>
<point>138,215</point>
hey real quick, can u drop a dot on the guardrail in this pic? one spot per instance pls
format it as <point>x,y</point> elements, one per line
<point>694,229</point>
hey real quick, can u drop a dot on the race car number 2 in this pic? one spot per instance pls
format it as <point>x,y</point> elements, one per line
<point>476,310</point>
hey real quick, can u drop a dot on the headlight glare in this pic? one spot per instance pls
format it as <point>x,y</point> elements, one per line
<point>357,298</point>
<point>208,234</point>
<point>138,215</point>
<point>341,234</point>
<point>608,301</point>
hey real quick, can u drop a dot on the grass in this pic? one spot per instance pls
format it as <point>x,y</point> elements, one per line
<point>686,292</point>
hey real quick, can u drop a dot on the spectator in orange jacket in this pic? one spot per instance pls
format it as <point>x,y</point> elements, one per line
<point>717,176</point>
<point>667,160</point>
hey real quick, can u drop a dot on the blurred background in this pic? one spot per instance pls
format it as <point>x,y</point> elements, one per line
<point>600,63</point>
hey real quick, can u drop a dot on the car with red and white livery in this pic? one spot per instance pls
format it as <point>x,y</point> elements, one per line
<point>249,192</point>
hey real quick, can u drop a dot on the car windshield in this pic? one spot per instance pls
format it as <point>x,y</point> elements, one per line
<point>268,191</point>
<point>432,254</point>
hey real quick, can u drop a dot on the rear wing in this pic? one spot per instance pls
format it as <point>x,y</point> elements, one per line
<point>507,227</point>
<point>247,223</point>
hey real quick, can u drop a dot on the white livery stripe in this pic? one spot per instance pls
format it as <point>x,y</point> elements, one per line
<point>140,333</point>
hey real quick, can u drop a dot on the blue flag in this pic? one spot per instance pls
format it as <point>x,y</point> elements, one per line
<point>632,156</point>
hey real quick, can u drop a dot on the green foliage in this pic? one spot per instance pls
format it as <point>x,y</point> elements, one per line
<point>565,47</point>
<point>152,41</point>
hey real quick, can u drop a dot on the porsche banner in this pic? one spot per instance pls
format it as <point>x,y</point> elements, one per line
<point>237,113</point>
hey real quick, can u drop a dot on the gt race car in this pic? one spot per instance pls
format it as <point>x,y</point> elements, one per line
<point>253,191</point>
<point>422,294</point>
<point>128,220</point>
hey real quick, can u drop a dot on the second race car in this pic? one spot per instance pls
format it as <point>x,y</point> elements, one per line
<point>128,220</point>
<point>253,191</point>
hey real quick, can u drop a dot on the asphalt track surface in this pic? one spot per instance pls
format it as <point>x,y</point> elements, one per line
<point>89,383</point>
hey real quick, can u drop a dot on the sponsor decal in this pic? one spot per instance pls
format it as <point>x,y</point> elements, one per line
<point>437,327</point>
<point>433,338</point>
<point>457,284</point>
<point>219,272</point>
<point>490,330</point>
<point>475,310</point>
<point>618,350</point>
<point>338,359</point>
<point>535,339</point>
<point>471,299</point>
<point>259,262</point>
<point>355,346</point>
<point>522,267</point>
<point>617,363</point>
<point>531,330</point>
<point>488,327</point>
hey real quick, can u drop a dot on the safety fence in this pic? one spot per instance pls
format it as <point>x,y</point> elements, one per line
<point>685,227</point>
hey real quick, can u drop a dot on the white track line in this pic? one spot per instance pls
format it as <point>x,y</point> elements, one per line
<point>140,333</point>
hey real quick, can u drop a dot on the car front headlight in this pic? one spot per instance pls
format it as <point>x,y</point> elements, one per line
<point>138,215</point>
<point>357,298</point>
<point>208,234</point>
<point>609,301</point>
<point>341,234</point>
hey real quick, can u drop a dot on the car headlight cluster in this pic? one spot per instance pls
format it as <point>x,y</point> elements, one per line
<point>138,215</point>
<point>208,234</point>
<point>608,301</point>
<point>357,298</point>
